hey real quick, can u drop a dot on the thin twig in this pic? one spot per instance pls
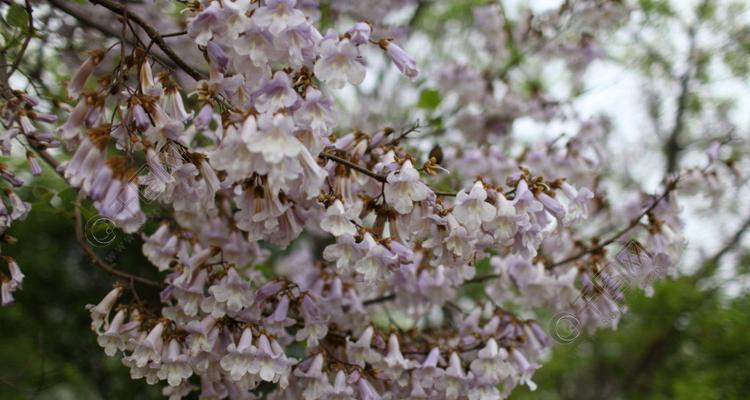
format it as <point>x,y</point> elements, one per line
<point>168,35</point>
<point>86,21</point>
<point>633,223</point>
<point>371,174</point>
<point>27,40</point>
<point>401,136</point>
<point>48,158</point>
<point>655,352</point>
<point>673,147</point>
<point>153,33</point>
<point>378,300</point>
<point>95,258</point>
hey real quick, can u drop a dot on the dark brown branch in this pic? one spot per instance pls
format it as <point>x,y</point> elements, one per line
<point>444,194</point>
<point>106,30</point>
<point>153,33</point>
<point>658,349</point>
<point>101,264</point>
<point>710,266</point>
<point>379,300</point>
<point>27,40</point>
<point>633,223</point>
<point>401,136</point>
<point>343,161</point>
<point>673,147</point>
<point>173,34</point>
<point>48,158</point>
<point>371,174</point>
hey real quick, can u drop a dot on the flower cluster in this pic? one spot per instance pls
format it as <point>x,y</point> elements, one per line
<point>20,118</point>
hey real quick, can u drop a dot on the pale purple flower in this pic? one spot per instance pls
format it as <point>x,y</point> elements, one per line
<point>202,336</point>
<point>142,121</point>
<point>239,357</point>
<point>20,208</point>
<point>217,56</point>
<point>552,205</point>
<point>36,168</point>
<point>316,112</point>
<point>404,62</point>
<point>82,74</point>
<point>315,327</point>
<point>428,372</point>
<point>359,34</point>
<point>471,209</point>
<point>6,292</point>
<point>72,126</point>
<point>112,339</point>
<point>175,107</point>
<point>299,44</point>
<point>366,391</point>
<point>376,261</point>
<point>279,320</point>
<point>100,312</point>
<point>524,199</point>
<point>277,141</point>
<point>339,63</point>
<point>455,379</point>
<point>344,252</point>
<point>270,363</point>
<point>189,292</point>
<point>278,15</point>
<point>526,369</point>
<point>491,366</point>
<point>404,188</point>
<point>256,43</point>
<point>232,292</point>
<point>505,224</point>
<point>175,366</point>
<point>148,348</point>
<point>16,276</point>
<point>338,220</point>
<point>341,389</point>
<point>395,363</point>
<point>161,247</point>
<point>205,115</point>
<point>315,380</point>
<point>208,22</point>
<point>578,201</point>
<point>276,94</point>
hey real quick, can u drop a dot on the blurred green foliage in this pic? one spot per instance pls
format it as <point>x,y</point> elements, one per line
<point>685,342</point>
<point>47,350</point>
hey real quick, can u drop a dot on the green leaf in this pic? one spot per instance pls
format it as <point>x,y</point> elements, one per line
<point>429,99</point>
<point>659,7</point>
<point>18,17</point>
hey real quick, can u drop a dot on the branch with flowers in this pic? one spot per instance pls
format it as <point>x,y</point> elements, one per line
<point>307,250</point>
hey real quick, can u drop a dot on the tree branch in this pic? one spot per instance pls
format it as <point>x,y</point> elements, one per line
<point>152,33</point>
<point>95,258</point>
<point>86,21</point>
<point>656,351</point>
<point>633,223</point>
<point>27,40</point>
<point>343,161</point>
<point>673,147</point>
